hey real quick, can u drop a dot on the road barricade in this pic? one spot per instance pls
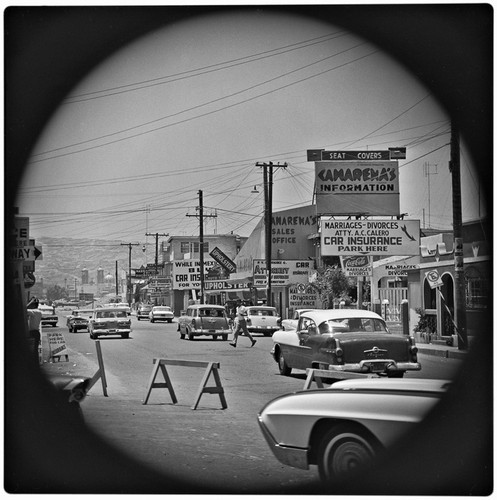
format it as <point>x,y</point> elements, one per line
<point>210,367</point>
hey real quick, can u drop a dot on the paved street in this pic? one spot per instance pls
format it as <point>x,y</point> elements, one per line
<point>208,447</point>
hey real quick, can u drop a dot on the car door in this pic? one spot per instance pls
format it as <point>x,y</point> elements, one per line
<point>300,356</point>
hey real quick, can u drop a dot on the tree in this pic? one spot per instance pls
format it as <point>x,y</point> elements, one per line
<point>332,284</point>
<point>56,292</point>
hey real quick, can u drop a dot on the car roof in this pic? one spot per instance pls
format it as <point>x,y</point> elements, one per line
<point>210,306</point>
<point>260,307</point>
<point>319,315</point>
<point>409,384</point>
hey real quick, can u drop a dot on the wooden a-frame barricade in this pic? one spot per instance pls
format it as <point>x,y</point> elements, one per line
<point>160,364</point>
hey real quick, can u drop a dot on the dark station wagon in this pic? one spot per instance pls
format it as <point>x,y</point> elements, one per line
<point>346,340</point>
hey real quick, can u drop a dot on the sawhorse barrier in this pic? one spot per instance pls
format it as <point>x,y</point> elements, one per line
<point>160,363</point>
<point>100,374</point>
<point>319,375</point>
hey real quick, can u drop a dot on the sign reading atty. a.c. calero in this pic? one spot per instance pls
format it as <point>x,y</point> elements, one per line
<point>369,237</point>
<point>221,258</point>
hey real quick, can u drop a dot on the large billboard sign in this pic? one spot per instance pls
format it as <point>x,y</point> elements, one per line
<point>369,237</point>
<point>352,187</point>
<point>186,273</point>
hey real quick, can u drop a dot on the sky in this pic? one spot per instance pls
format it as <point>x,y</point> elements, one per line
<point>196,105</point>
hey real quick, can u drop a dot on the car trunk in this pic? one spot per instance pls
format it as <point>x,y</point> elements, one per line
<point>358,347</point>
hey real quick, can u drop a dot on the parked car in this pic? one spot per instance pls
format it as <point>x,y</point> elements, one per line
<point>110,321</point>
<point>204,319</point>
<point>143,312</point>
<point>48,316</point>
<point>78,320</point>
<point>261,319</point>
<point>347,426</point>
<point>291,323</point>
<point>161,313</point>
<point>348,340</point>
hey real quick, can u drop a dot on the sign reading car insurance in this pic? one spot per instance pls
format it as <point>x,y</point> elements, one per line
<point>369,237</point>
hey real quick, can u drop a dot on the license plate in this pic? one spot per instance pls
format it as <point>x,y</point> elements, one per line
<point>378,367</point>
<point>212,331</point>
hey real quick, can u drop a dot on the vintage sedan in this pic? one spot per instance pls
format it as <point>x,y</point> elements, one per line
<point>262,319</point>
<point>161,313</point>
<point>78,320</point>
<point>204,319</point>
<point>344,340</point>
<point>143,312</point>
<point>110,321</point>
<point>346,427</point>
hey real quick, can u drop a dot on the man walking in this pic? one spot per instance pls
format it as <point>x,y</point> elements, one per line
<point>241,324</point>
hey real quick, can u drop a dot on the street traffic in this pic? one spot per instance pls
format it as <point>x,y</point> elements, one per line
<point>210,446</point>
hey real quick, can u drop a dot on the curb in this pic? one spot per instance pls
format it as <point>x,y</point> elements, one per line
<point>442,353</point>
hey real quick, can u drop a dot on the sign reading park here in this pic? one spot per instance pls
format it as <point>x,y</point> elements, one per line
<point>369,237</point>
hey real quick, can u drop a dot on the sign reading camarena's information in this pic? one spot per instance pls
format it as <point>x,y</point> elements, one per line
<point>369,237</point>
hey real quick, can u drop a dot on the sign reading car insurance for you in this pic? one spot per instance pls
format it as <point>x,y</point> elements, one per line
<point>369,237</point>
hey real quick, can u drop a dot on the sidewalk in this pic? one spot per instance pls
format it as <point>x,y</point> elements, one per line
<point>441,350</point>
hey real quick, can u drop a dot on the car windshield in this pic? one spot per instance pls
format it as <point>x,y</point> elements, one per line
<point>261,312</point>
<point>353,325</point>
<point>111,314</point>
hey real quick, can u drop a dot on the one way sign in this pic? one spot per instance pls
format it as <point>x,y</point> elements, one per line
<point>27,253</point>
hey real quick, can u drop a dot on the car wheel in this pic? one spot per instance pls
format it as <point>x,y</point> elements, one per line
<point>225,337</point>
<point>125,335</point>
<point>284,368</point>
<point>214,337</point>
<point>138,318</point>
<point>152,320</point>
<point>343,450</point>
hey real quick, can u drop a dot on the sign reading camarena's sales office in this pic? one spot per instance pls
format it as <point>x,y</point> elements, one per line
<point>369,237</point>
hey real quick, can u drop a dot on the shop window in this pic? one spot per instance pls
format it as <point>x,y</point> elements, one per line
<point>430,296</point>
<point>476,292</point>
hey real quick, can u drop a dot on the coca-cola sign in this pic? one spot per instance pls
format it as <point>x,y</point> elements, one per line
<point>357,265</point>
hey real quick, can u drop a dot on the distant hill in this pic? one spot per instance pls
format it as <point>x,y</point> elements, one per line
<point>65,258</point>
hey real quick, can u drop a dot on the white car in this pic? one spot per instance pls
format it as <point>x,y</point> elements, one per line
<point>291,323</point>
<point>161,313</point>
<point>262,319</point>
<point>346,427</point>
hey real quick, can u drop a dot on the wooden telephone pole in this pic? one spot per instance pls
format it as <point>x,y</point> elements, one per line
<point>156,248</point>
<point>128,285</point>
<point>460,286</point>
<point>201,216</point>
<point>268,218</point>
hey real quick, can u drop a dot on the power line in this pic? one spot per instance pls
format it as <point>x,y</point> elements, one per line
<point>225,64</point>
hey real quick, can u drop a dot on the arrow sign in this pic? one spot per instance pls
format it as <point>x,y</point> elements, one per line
<point>31,252</point>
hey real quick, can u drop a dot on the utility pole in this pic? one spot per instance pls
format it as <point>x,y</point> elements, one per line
<point>460,286</point>
<point>156,248</point>
<point>268,218</point>
<point>201,216</point>
<point>129,245</point>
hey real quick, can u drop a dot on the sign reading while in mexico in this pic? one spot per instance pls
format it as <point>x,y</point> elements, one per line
<point>369,237</point>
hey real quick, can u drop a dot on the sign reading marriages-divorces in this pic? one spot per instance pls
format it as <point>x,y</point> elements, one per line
<point>369,237</point>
